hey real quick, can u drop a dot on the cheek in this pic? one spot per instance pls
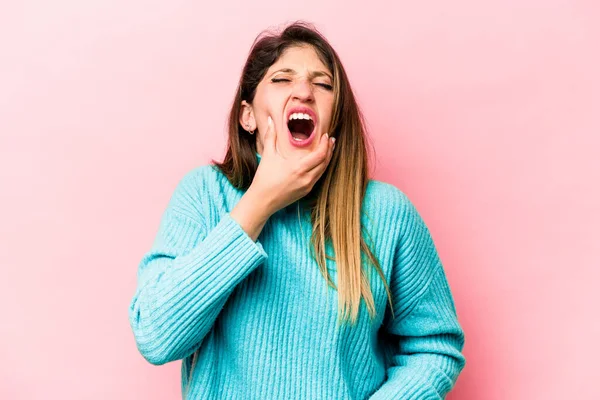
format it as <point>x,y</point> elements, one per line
<point>271,104</point>
<point>327,111</point>
<point>326,120</point>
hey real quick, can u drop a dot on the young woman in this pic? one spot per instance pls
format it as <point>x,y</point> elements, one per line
<point>285,272</point>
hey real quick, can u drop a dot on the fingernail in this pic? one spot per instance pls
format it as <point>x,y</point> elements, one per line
<point>327,135</point>
<point>269,120</point>
<point>333,140</point>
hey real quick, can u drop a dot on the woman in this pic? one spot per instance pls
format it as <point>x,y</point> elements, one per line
<point>257,273</point>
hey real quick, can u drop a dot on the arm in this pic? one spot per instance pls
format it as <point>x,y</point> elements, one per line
<point>186,278</point>
<point>425,338</point>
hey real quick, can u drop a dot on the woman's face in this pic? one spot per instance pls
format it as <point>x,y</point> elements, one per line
<point>297,92</point>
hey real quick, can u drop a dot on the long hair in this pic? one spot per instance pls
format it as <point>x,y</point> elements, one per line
<point>336,198</point>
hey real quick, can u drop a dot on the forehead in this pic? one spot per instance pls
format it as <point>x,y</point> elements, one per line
<point>299,58</point>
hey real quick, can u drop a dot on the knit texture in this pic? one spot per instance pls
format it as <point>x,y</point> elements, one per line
<point>265,321</point>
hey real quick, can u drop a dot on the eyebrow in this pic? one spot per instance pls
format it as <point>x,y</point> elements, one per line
<point>313,74</point>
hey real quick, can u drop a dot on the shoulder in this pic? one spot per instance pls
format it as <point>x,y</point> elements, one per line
<point>393,209</point>
<point>201,177</point>
<point>384,197</point>
<point>195,188</point>
<point>383,190</point>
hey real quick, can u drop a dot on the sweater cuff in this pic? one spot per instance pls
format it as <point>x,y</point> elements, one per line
<point>232,249</point>
<point>238,232</point>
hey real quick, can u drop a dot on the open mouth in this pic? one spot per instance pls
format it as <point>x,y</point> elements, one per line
<point>301,126</point>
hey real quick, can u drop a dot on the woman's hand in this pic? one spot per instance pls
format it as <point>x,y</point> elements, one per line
<point>279,181</point>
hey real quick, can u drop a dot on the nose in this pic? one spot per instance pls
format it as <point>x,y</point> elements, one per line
<point>303,90</point>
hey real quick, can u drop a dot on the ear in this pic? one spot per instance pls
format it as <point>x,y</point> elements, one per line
<point>247,117</point>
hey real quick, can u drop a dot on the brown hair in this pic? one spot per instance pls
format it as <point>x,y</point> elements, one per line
<point>336,199</point>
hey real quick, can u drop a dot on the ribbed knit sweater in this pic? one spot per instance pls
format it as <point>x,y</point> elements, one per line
<point>265,321</point>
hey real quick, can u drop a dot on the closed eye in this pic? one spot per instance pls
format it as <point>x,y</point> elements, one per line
<point>326,86</point>
<point>323,85</point>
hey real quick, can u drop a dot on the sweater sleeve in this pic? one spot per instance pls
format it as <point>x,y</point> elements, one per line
<point>425,338</point>
<point>186,277</point>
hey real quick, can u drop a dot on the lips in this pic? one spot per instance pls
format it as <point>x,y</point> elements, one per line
<point>301,130</point>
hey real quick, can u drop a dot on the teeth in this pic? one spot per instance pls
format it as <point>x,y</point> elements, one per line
<point>299,116</point>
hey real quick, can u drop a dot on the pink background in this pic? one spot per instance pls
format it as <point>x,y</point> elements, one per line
<point>486,113</point>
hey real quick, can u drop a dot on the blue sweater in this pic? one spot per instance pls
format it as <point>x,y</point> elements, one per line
<point>265,320</point>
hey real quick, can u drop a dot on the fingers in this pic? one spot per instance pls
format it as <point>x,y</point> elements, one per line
<point>330,153</point>
<point>330,149</point>
<point>270,138</point>
<point>322,155</point>
<point>314,158</point>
